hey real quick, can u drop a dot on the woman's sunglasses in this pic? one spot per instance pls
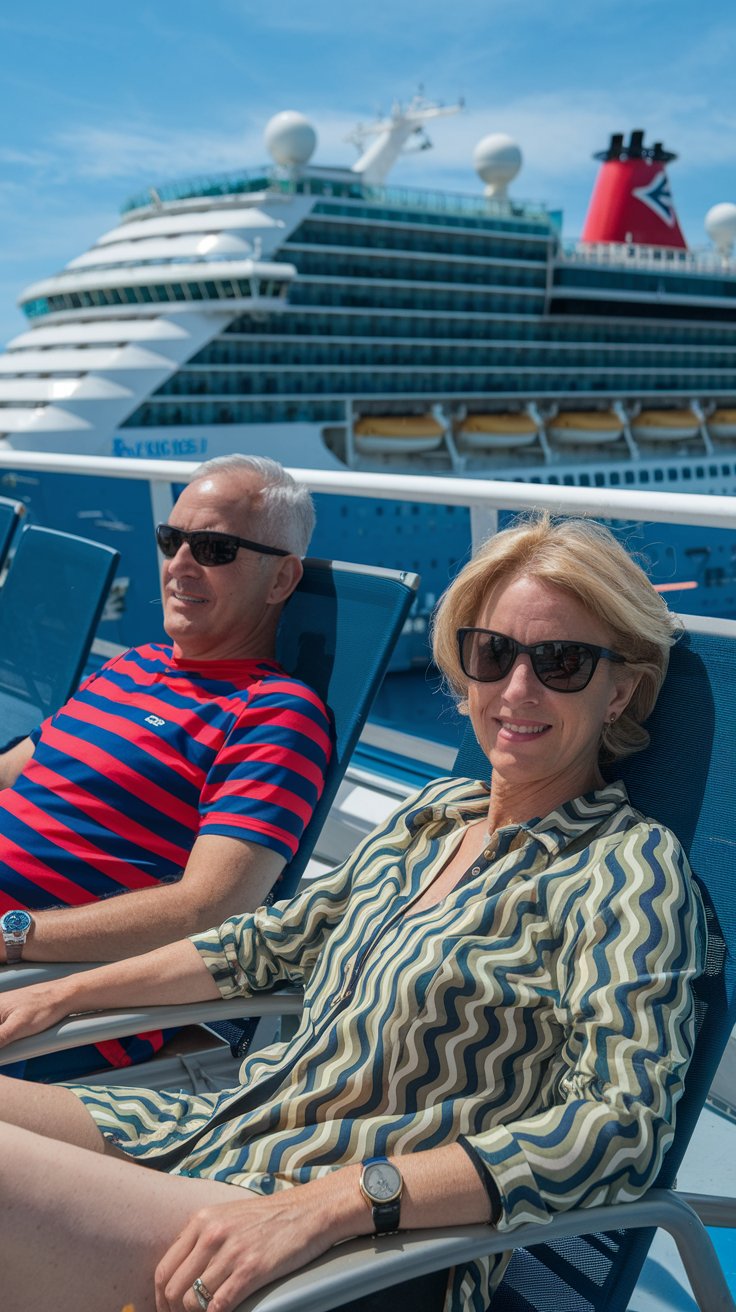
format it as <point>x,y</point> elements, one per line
<point>208,548</point>
<point>486,657</point>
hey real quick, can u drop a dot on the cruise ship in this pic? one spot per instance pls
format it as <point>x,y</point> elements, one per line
<point>326,318</point>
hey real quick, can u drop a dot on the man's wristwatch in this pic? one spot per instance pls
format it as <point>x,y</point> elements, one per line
<point>15,926</point>
<point>381,1185</point>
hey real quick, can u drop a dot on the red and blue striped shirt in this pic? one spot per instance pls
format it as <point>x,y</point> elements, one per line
<point>151,752</point>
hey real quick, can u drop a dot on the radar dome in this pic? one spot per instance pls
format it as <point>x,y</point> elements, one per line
<point>290,139</point>
<point>720,225</point>
<point>497,160</point>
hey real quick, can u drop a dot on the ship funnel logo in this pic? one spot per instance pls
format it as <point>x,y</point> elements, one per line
<point>658,197</point>
<point>632,203</point>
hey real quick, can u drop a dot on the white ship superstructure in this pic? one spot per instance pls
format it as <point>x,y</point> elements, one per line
<point>326,318</point>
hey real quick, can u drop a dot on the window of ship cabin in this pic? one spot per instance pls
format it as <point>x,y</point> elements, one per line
<point>687,473</point>
<point>615,479</point>
<point>673,474</point>
<point>658,475</point>
<point>644,476</point>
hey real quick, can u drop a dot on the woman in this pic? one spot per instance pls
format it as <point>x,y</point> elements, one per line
<point>497,993</point>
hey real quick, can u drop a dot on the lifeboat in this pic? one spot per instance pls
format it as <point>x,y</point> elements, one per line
<point>585,427</point>
<point>722,423</point>
<point>665,425</point>
<point>502,429</point>
<point>397,434</point>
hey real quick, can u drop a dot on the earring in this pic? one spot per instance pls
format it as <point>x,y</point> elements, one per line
<point>612,719</point>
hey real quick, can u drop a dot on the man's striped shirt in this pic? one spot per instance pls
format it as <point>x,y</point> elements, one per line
<point>152,752</point>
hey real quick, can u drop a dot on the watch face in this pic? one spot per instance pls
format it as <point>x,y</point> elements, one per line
<point>16,922</point>
<point>381,1181</point>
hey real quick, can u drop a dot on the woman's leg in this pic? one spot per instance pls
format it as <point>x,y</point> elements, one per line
<point>81,1230</point>
<point>52,1111</point>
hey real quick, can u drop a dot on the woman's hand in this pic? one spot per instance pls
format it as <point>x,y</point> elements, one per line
<point>31,1009</point>
<point>236,1248</point>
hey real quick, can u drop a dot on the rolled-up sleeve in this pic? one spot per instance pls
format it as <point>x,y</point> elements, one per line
<point>629,951</point>
<point>280,944</point>
<point>274,945</point>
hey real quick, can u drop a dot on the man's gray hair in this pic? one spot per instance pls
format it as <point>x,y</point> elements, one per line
<point>284,512</point>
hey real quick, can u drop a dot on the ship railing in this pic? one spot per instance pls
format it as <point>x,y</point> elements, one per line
<point>484,497</point>
<point>347,185</point>
<point>628,254</point>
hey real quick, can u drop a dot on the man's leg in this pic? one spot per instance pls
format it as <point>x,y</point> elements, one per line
<point>81,1230</point>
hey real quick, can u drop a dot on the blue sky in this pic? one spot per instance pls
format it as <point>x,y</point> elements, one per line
<point>95,105</point>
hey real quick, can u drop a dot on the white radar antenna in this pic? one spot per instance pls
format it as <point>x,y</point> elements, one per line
<point>392,135</point>
<point>290,139</point>
<point>497,160</point>
<point>720,225</point>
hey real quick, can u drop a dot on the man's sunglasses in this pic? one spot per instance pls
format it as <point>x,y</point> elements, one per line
<point>209,548</point>
<point>486,657</point>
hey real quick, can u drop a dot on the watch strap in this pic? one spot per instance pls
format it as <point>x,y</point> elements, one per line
<point>14,950</point>
<point>386,1217</point>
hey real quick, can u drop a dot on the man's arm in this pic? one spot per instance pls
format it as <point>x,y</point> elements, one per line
<point>14,762</point>
<point>223,877</point>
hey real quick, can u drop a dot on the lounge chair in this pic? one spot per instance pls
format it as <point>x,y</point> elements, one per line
<point>587,1260</point>
<point>50,605</point>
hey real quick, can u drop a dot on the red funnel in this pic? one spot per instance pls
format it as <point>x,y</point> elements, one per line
<point>631,200</point>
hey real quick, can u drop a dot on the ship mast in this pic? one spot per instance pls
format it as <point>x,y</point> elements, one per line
<point>392,134</point>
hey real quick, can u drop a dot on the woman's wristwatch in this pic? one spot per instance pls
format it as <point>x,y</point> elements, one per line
<point>15,926</point>
<point>381,1185</point>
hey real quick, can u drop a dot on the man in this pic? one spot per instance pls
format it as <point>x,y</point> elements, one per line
<point>181,775</point>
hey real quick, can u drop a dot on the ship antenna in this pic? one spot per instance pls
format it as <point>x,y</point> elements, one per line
<point>393,135</point>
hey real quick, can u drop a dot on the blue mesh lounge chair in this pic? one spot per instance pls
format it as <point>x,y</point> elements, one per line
<point>50,605</point>
<point>587,1260</point>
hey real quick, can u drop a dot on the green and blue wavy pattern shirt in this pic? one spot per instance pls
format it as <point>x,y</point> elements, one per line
<point>541,1013</point>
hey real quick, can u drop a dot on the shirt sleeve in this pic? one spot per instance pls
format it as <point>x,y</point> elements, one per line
<point>630,951</point>
<point>269,774</point>
<point>281,944</point>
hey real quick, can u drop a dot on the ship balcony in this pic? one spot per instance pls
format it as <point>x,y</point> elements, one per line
<point>627,255</point>
<point>251,284</point>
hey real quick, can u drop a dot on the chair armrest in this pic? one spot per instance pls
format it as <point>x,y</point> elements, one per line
<point>40,972</point>
<point>713,1209</point>
<point>100,1025</point>
<point>362,1266</point>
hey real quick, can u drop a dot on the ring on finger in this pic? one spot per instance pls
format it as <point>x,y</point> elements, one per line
<point>204,1297</point>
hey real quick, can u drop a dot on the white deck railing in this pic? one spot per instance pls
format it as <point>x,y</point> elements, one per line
<point>480,495</point>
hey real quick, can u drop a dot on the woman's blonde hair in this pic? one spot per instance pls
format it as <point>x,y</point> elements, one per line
<point>583,559</point>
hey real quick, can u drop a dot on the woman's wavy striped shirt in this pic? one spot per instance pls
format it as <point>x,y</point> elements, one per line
<point>541,1013</point>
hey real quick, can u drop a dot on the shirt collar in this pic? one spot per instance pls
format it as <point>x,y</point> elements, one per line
<point>553,832</point>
